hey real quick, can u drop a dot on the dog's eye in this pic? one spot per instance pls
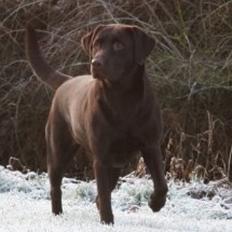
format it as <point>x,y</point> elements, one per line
<point>117,46</point>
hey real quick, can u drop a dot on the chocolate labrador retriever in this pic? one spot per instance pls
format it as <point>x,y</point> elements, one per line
<point>112,113</point>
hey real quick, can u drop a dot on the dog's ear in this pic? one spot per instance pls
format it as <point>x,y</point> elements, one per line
<point>143,45</point>
<point>87,40</point>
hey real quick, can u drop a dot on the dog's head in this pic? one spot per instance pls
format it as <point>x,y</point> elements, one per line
<point>116,49</point>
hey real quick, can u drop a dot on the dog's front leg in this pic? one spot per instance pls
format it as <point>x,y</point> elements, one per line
<point>153,159</point>
<point>102,174</point>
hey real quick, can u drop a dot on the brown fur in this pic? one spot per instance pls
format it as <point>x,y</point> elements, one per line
<point>112,113</point>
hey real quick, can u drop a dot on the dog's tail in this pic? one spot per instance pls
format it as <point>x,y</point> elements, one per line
<point>40,67</point>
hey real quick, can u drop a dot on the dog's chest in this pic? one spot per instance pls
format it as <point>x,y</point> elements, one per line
<point>124,148</point>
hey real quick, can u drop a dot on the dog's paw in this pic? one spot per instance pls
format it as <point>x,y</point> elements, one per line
<point>157,201</point>
<point>107,219</point>
<point>106,216</point>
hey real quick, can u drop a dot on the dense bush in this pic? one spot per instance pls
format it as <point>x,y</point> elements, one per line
<point>190,69</point>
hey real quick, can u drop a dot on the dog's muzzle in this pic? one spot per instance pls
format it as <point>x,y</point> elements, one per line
<point>97,69</point>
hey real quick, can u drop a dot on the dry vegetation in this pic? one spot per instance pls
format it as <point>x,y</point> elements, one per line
<point>191,69</point>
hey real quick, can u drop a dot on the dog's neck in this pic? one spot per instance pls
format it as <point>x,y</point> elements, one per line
<point>125,96</point>
<point>132,83</point>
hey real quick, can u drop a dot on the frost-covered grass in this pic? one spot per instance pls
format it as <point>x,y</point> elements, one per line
<point>25,206</point>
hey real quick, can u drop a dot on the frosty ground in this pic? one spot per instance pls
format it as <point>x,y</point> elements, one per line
<point>25,206</point>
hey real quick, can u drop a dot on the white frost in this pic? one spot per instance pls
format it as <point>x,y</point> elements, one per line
<point>25,206</point>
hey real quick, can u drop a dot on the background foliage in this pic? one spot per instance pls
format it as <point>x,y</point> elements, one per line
<point>191,68</point>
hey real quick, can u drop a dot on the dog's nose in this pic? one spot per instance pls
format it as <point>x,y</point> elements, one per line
<point>96,63</point>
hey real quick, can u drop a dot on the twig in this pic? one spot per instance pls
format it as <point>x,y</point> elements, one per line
<point>230,165</point>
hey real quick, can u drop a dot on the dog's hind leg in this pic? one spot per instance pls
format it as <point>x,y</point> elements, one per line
<point>60,150</point>
<point>55,173</point>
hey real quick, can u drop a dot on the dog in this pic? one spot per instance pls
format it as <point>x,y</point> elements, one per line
<point>112,113</point>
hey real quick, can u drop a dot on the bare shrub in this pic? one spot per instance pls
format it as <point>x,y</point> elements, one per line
<point>190,68</point>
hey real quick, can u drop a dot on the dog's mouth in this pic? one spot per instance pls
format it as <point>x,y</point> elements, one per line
<point>103,75</point>
<point>98,73</point>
